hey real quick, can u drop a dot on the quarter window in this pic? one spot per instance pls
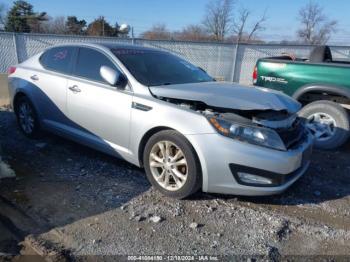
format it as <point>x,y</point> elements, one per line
<point>89,63</point>
<point>58,59</point>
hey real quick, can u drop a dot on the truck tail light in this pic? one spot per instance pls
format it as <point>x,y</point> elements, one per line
<point>255,75</point>
<point>11,70</point>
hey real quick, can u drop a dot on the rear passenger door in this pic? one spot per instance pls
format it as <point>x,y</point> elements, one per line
<point>100,112</point>
<point>51,84</point>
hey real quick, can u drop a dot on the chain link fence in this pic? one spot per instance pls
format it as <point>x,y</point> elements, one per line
<point>227,62</point>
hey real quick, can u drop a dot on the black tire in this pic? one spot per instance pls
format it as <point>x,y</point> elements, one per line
<point>340,116</point>
<point>194,176</point>
<point>35,131</point>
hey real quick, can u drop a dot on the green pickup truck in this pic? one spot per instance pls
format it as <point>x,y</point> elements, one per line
<point>320,83</point>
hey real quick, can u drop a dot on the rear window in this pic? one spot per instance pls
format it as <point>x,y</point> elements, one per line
<point>58,59</point>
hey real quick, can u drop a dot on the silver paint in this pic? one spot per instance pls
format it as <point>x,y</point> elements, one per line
<point>229,95</point>
<point>102,117</point>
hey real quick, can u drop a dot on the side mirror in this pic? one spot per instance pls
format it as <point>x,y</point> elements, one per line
<point>113,77</point>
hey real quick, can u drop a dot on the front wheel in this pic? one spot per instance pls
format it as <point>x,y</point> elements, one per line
<point>171,164</point>
<point>328,122</point>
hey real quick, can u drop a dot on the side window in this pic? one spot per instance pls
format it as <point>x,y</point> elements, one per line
<point>89,63</point>
<point>58,59</point>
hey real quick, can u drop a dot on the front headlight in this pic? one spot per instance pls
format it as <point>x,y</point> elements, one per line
<point>251,134</point>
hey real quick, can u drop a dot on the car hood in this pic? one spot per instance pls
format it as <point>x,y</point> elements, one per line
<point>229,95</point>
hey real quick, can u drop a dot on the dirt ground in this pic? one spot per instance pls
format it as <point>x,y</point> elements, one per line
<point>76,201</point>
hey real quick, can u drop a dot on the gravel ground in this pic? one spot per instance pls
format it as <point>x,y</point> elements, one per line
<point>85,202</point>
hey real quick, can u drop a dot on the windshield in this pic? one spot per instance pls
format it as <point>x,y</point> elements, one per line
<point>154,68</point>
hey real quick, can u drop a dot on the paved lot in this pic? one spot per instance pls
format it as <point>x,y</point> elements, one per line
<point>81,201</point>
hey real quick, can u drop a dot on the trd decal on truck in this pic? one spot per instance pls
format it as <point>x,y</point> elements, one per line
<point>274,79</point>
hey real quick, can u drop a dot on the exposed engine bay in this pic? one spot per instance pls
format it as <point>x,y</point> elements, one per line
<point>287,125</point>
<point>222,97</point>
<point>267,118</point>
<point>248,114</point>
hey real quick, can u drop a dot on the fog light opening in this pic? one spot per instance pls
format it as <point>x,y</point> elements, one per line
<point>253,179</point>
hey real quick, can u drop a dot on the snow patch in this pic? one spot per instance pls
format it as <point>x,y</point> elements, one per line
<point>5,170</point>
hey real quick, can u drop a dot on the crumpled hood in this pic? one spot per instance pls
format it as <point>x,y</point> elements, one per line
<point>229,95</point>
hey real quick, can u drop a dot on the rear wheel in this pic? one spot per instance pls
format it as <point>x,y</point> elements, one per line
<point>27,118</point>
<point>328,122</point>
<point>171,164</point>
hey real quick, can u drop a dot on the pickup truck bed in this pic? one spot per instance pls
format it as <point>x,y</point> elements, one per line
<point>321,84</point>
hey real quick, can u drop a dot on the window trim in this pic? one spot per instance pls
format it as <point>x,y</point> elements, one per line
<point>71,62</point>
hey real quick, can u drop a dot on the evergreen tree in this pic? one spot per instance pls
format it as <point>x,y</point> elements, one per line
<point>75,26</point>
<point>22,18</point>
<point>100,27</point>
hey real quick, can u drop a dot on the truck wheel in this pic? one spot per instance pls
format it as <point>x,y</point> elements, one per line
<point>171,164</point>
<point>328,122</point>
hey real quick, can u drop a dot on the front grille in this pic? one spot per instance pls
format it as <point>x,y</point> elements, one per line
<point>294,135</point>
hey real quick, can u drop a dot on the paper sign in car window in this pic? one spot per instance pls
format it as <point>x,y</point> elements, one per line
<point>60,55</point>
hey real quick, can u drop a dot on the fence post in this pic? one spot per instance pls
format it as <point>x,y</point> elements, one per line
<point>14,37</point>
<point>132,36</point>
<point>233,75</point>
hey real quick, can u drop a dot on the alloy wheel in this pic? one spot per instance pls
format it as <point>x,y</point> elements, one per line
<point>26,117</point>
<point>168,165</point>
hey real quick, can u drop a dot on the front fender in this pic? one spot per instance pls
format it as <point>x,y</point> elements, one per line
<point>163,115</point>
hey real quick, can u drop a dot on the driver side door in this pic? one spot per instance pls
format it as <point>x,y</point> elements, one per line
<point>99,112</point>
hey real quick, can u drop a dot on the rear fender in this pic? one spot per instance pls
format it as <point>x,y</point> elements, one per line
<point>330,89</point>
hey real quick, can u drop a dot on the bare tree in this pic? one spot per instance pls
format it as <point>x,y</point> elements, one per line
<point>240,26</point>
<point>2,17</point>
<point>316,28</point>
<point>218,19</point>
<point>56,25</point>
<point>157,32</point>
<point>258,26</point>
<point>193,33</point>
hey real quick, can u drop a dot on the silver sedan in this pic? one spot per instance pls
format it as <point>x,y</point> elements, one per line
<point>162,113</point>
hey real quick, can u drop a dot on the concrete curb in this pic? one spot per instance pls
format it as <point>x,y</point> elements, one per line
<point>4,94</point>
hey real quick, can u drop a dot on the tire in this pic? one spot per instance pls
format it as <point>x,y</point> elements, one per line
<point>332,115</point>
<point>177,144</point>
<point>24,119</point>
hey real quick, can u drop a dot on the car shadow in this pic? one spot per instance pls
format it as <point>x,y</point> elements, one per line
<point>59,182</point>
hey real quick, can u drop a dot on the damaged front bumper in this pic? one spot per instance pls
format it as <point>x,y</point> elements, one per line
<point>222,159</point>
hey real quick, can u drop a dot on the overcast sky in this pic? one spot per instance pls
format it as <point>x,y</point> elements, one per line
<point>142,14</point>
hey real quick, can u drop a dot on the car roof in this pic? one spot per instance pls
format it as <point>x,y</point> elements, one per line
<point>111,46</point>
<point>126,46</point>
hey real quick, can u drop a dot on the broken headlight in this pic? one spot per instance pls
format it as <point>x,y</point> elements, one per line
<point>248,133</point>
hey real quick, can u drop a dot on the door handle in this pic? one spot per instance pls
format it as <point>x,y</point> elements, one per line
<point>74,89</point>
<point>34,77</point>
